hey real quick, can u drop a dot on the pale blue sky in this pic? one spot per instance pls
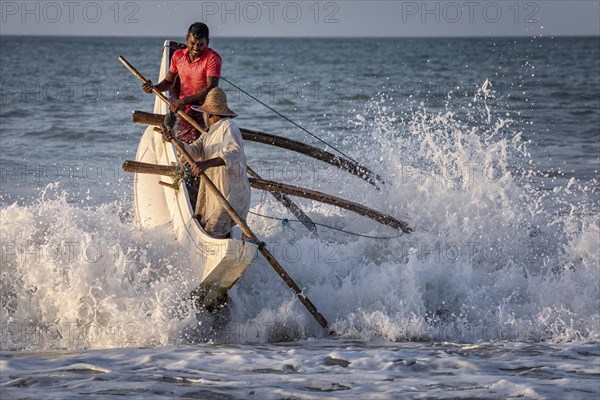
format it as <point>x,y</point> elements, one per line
<point>170,19</point>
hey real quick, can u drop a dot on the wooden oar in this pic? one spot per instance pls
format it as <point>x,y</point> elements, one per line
<point>160,95</point>
<point>282,188</point>
<point>248,232</point>
<point>238,220</point>
<point>351,167</point>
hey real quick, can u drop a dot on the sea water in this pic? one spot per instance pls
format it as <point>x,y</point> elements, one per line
<point>488,149</point>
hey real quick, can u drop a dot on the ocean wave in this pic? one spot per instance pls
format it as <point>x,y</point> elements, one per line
<point>492,257</point>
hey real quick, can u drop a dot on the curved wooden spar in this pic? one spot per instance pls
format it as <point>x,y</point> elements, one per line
<point>322,155</point>
<point>169,170</point>
<point>329,199</point>
<point>289,144</point>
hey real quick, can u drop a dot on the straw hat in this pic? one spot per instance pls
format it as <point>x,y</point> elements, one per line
<point>216,104</point>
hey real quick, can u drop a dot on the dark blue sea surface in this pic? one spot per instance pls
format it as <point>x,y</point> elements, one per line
<point>488,148</point>
<point>73,97</point>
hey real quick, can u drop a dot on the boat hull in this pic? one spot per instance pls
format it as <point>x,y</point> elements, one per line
<point>217,263</point>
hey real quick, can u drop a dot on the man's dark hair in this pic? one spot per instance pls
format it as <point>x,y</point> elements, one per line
<point>198,30</point>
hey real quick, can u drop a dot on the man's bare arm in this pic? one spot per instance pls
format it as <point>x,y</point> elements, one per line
<point>163,86</point>
<point>206,164</point>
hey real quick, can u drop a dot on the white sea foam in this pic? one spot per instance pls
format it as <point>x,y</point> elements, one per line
<point>313,369</point>
<point>492,257</point>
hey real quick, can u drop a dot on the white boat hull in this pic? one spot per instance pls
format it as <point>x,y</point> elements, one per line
<point>218,263</point>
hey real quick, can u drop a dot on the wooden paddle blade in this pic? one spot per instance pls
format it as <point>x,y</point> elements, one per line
<point>295,288</point>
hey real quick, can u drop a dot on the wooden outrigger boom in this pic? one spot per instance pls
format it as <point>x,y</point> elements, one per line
<point>144,168</point>
<point>311,151</point>
<point>329,199</point>
<point>349,166</point>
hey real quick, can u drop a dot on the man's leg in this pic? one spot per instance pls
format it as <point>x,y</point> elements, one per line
<point>219,225</point>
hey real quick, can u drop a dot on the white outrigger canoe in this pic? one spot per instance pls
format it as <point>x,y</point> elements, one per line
<point>218,263</point>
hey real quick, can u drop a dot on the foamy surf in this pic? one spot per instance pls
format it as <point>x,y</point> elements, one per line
<point>493,257</point>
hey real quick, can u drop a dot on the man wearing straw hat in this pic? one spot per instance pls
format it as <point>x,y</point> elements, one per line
<point>220,154</point>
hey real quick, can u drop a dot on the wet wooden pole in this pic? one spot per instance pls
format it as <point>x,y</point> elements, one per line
<point>282,188</point>
<point>157,120</point>
<point>364,173</point>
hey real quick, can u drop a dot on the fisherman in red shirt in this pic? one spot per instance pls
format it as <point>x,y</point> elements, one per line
<point>199,70</point>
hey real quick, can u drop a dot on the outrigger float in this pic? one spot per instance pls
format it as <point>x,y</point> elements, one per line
<point>219,263</point>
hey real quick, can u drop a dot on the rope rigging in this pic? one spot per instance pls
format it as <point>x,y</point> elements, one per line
<point>286,221</point>
<point>289,120</point>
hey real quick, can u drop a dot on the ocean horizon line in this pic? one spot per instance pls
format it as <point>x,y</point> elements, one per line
<point>311,37</point>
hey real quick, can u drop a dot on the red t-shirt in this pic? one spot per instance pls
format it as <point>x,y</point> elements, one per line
<point>193,76</point>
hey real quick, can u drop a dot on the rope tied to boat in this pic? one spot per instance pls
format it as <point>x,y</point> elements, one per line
<point>259,243</point>
<point>286,224</point>
<point>169,120</point>
<point>286,221</point>
<point>288,119</point>
<point>180,174</point>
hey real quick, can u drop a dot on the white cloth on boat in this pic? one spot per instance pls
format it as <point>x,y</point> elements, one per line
<point>223,140</point>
